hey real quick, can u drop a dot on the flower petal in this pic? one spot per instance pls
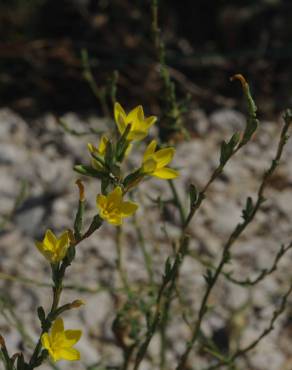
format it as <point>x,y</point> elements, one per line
<point>137,135</point>
<point>165,173</point>
<point>102,144</point>
<point>164,156</point>
<point>115,220</point>
<point>118,110</point>
<point>149,166</point>
<point>69,354</point>
<point>120,117</point>
<point>50,240</point>
<point>150,121</point>
<point>48,254</point>
<point>72,337</point>
<point>101,201</point>
<point>91,148</point>
<point>62,245</point>
<point>115,197</point>
<point>128,208</point>
<point>149,150</point>
<point>45,339</point>
<point>135,114</point>
<point>57,328</point>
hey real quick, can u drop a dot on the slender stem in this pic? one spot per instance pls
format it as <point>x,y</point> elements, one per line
<point>147,257</point>
<point>170,276</point>
<point>225,257</point>
<point>177,201</point>
<point>120,267</point>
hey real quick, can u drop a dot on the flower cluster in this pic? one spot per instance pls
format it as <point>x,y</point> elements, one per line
<point>107,156</point>
<point>106,160</point>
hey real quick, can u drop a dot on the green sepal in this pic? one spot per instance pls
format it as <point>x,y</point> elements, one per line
<point>132,177</point>
<point>20,364</point>
<point>247,212</point>
<point>193,193</point>
<point>122,144</point>
<point>41,314</point>
<point>70,254</point>
<point>98,158</point>
<point>79,220</point>
<point>88,171</point>
<point>208,276</point>
<point>228,148</point>
<point>109,155</point>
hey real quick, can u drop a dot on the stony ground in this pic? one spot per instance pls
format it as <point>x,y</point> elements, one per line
<point>40,154</point>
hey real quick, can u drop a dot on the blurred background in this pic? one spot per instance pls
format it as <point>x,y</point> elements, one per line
<point>43,77</point>
<point>206,42</point>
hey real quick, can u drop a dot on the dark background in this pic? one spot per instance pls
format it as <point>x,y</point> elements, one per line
<point>207,42</point>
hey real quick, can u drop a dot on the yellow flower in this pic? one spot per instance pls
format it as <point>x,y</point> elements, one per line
<point>113,209</point>
<point>140,125</point>
<point>53,248</point>
<point>154,162</point>
<point>99,151</point>
<point>59,342</point>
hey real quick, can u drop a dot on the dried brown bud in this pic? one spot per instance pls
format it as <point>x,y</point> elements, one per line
<point>81,190</point>
<point>240,77</point>
<point>77,303</point>
<point>2,341</point>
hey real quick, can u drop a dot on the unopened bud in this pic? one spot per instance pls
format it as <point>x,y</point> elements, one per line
<point>2,341</point>
<point>71,237</point>
<point>240,77</point>
<point>77,303</point>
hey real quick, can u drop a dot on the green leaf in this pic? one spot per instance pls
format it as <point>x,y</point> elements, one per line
<point>208,276</point>
<point>132,177</point>
<point>89,171</point>
<point>109,155</point>
<point>247,211</point>
<point>227,149</point>
<point>79,220</point>
<point>41,314</point>
<point>122,145</point>
<point>193,193</point>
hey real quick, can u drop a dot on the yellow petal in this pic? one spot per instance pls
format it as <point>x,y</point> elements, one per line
<point>150,121</point>
<point>118,110</point>
<point>120,117</point>
<point>149,166</point>
<point>163,156</point>
<point>57,328</point>
<point>62,245</point>
<point>149,150</point>
<point>128,208</point>
<point>102,144</point>
<point>48,254</point>
<point>165,173</point>
<point>135,114</point>
<point>101,201</point>
<point>45,339</point>
<point>115,197</point>
<point>91,148</point>
<point>137,135</point>
<point>115,220</point>
<point>50,240</point>
<point>69,354</point>
<point>72,337</point>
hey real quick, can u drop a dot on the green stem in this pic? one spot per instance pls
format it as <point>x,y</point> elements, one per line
<point>177,201</point>
<point>120,267</point>
<point>225,257</point>
<point>146,256</point>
